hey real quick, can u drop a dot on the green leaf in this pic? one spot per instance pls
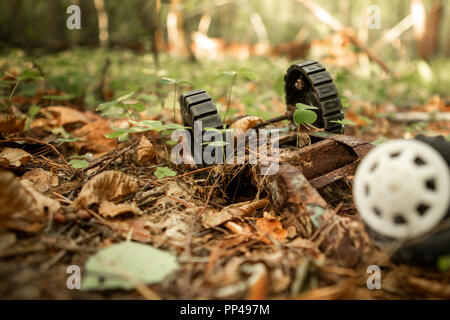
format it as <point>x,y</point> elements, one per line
<point>125,96</point>
<point>125,264</point>
<point>34,110</point>
<point>115,134</point>
<point>167,81</point>
<point>162,172</point>
<point>444,263</point>
<point>139,107</point>
<point>147,125</point>
<point>147,97</point>
<point>344,122</point>
<point>302,116</point>
<point>183,82</point>
<point>174,126</point>
<point>106,105</point>
<point>29,75</point>
<point>63,97</point>
<point>301,106</point>
<point>171,143</point>
<point>78,164</point>
<point>71,139</point>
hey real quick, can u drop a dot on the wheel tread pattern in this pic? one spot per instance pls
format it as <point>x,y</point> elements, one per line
<point>321,84</point>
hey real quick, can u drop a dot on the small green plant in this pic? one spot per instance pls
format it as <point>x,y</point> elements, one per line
<point>144,126</point>
<point>70,140</point>
<point>78,162</point>
<point>233,75</point>
<point>119,107</point>
<point>32,112</point>
<point>344,122</point>
<point>63,97</point>
<point>304,114</point>
<point>163,172</point>
<point>26,75</point>
<point>176,83</point>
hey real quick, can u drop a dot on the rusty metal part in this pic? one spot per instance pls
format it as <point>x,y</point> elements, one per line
<point>333,176</point>
<point>291,191</point>
<point>319,158</point>
<point>328,160</point>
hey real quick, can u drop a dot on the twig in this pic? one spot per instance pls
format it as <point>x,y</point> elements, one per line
<point>114,153</point>
<point>43,143</point>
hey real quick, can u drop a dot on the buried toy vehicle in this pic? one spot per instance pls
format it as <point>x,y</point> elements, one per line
<point>331,156</point>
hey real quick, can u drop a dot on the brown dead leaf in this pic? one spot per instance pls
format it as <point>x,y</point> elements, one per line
<point>13,197</point>
<point>145,152</point>
<point>14,157</point>
<point>59,116</point>
<point>110,210</point>
<point>44,204</point>
<point>40,179</point>
<point>94,133</point>
<point>109,185</point>
<point>270,227</point>
<point>246,123</point>
<point>213,218</point>
<point>21,206</point>
<point>10,123</point>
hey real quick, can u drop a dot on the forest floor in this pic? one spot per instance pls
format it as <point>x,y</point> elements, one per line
<point>85,180</point>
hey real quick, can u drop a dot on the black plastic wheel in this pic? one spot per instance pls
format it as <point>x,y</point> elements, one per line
<point>196,106</point>
<point>309,83</point>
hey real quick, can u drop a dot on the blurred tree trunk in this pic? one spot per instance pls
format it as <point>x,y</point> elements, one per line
<point>102,16</point>
<point>150,19</point>
<point>426,28</point>
<point>58,27</point>
<point>175,32</point>
<point>17,27</point>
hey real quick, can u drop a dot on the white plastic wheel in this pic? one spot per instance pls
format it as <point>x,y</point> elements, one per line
<point>402,188</point>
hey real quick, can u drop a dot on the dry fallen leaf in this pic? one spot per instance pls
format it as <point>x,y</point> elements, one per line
<point>60,116</point>
<point>44,204</point>
<point>21,206</point>
<point>42,180</point>
<point>212,218</point>
<point>246,123</point>
<point>13,157</point>
<point>10,123</point>
<point>272,228</point>
<point>145,151</point>
<point>94,135</point>
<point>13,197</point>
<point>109,185</point>
<point>110,210</point>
